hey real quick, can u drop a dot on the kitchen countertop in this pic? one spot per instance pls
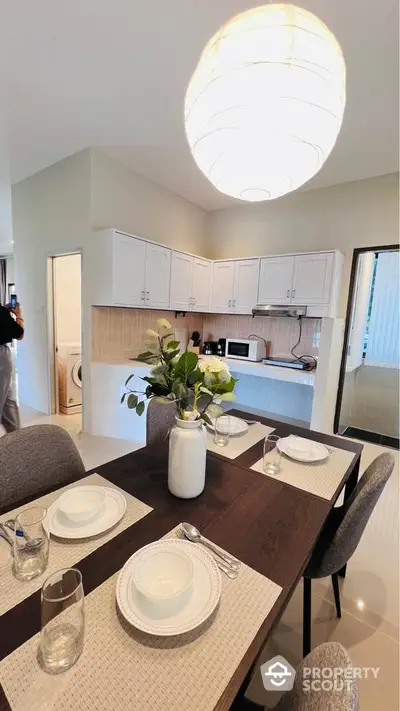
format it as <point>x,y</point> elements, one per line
<point>244,367</point>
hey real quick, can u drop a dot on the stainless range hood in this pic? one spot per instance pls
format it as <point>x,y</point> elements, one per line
<point>285,310</point>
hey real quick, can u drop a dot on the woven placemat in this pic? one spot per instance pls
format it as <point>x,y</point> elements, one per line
<point>319,478</point>
<point>241,443</point>
<point>122,669</point>
<point>63,553</point>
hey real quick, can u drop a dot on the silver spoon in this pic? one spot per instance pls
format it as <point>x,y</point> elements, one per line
<point>31,543</point>
<point>194,535</point>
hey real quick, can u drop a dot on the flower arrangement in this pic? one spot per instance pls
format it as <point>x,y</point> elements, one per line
<point>194,387</point>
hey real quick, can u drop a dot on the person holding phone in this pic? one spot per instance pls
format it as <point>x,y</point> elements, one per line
<point>10,328</point>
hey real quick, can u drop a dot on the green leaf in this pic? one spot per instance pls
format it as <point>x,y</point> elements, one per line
<point>123,398</point>
<point>129,379</point>
<point>173,345</point>
<point>195,377</point>
<point>227,397</point>
<point>214,410</point>
<point>132,401</point>
<point>205,390</point>
<point>205,418</point>
<point>225,387</point>
<point>186,364</point>
<point>148,357</point>
<point>140,408</point>
<point>170,355</point>
<point>179,389</point>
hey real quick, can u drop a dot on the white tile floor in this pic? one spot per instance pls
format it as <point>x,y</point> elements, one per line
<point>93,450</point>
<point>369,627</point>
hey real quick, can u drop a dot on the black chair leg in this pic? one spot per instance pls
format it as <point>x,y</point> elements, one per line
<point>306,616</point>
<point>336,592</point>
<point>342,571</point>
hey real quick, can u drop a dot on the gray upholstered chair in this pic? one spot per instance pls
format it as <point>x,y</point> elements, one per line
<point>160,420</point>
<point>330,655</point>
<point>34,459</point>
<point>333,552</point>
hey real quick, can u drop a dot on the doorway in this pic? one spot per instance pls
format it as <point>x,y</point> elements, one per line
<point>367,406</point>
<point>65,338</point>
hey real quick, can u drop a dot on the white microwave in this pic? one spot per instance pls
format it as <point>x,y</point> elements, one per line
<point>245,349</point>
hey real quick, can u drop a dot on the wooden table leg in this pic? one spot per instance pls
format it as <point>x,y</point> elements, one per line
<point>349,488</point>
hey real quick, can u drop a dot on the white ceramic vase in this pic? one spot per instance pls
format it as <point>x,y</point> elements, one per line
<point>187,459</point>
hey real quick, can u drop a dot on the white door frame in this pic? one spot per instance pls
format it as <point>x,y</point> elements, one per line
<point>52,327</point>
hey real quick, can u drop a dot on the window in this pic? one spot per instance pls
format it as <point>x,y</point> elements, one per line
<point>381,343</point>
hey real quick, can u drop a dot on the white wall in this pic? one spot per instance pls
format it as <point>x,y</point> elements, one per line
<point>343,217</point>
<point>365,268</point>
<point>54,212</point>
<point>51,215</point>
<point>67,274</point>
<point>128,201</point>
<point>372,400</point>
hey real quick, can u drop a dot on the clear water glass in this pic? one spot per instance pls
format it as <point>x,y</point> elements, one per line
<point>31,543</point>
<point>271,455</point>
<point>222,430</point>
<point>63,620</point>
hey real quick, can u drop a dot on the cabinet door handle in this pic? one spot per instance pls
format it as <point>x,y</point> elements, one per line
<point>229,303</point>
<point>147,295</point>
<point>142,297</point>
<point>233,303</point>
<point>293,293</point>
<point>288,293</point>
<point>194,301</point>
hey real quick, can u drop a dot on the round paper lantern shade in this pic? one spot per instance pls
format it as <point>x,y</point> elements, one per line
<point>265,104</point>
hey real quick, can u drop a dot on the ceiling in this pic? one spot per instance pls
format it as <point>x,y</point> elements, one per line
<point>113,73</point>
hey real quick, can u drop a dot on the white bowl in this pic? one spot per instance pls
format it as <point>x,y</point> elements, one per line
<point>299,446</point>
<point>163,579</point>
<point>82,503</point>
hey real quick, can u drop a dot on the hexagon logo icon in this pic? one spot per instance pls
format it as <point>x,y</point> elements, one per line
<point>277,674</point>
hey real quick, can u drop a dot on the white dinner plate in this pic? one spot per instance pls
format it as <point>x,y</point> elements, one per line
<point>202,603</point>
<point>112,512</point>
<point>236,426</point>
<point>308,452</point>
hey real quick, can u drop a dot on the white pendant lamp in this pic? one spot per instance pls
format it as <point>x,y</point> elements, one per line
<point>265,104</point>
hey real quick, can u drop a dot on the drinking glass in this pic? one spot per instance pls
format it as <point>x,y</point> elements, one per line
<point>221,430</point>
<point>63,620</point>
<point>31,543</point>
<point>272,455</point>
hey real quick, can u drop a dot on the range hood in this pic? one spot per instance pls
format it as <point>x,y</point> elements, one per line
<point>285,310</point>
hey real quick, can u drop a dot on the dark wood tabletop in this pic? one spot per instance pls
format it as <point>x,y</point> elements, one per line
<point>269,525</point>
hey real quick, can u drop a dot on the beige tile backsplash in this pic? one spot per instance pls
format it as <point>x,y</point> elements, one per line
<point>281,333</point>
<point>119,333</point>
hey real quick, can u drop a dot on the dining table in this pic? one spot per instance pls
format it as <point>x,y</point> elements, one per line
<point>269,523</point>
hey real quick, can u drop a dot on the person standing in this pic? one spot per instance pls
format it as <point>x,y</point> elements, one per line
<point>10,328</point>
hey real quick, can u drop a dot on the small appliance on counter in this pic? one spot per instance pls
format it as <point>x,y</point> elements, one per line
<point>195,343</point>
<point>289,363</point>
<point>210,348</point>
<point>245,349</point>
<point>221,347</point>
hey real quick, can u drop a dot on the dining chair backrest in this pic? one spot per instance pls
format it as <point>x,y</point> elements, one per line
<point>358,510</point>
<point>34,459</point>
<point>160,420</point>
<point>343,697</point>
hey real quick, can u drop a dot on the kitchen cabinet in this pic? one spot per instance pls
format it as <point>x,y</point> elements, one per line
<point>222,287</point>
<point>276,277</point>
<point>235,286</point>
<point>157,276</point>
<point>190,283</point>
<point>129,259</point>
<point>301,279</point>
<point>201,284</point>
<point>312,278</point>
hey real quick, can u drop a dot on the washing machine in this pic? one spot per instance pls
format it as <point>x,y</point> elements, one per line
<point>69,360</point>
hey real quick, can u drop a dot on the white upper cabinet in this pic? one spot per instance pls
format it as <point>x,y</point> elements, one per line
<point>246,285</point>
<point>276,276</point>
<point>222,286</point>
<point>312,278</point>
<point>181,281</point>
<point>129,257</point>
<point>158,275</point>
<point>201,284</point>
<point>235,286</point>
<point>190,283</point>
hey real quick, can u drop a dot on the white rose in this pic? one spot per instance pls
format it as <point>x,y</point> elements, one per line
<point>214,365</point>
